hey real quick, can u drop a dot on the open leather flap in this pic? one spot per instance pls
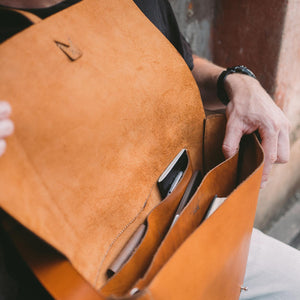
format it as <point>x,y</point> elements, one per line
<point>101,103</point>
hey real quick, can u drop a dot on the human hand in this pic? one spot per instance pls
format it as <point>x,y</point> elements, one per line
<point>6,125</point>
<point>250,109</point>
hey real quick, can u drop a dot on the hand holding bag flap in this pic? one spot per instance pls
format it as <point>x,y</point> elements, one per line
<point>92,135</point>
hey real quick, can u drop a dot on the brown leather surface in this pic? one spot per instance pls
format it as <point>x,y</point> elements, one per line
<point>93,135</point>
<point>215,125</point>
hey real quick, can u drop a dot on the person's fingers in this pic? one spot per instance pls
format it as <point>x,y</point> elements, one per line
<point>269,144</point>
<point>2,147</point>
<point>232,138</point>
<point>6,125</point>
<point>283,146</point>
<point>5,110</point>
<point>6,128</point>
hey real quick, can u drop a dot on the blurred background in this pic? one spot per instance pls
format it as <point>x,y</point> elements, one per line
<point>264,36</point>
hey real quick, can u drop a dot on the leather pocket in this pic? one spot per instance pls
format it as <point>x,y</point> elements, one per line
<point>226,176</point>
<point>158,222</point>
<point>209,261</point>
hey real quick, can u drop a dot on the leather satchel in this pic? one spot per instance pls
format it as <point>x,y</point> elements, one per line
<point>102,102</point>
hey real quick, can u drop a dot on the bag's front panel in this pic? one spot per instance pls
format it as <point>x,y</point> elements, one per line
<point>191,217</point>
<point>211,263</point>
<point>93,134</point>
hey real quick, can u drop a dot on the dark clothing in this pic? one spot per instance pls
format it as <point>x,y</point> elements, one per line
<point>159,12</point>
<point>17,281</point>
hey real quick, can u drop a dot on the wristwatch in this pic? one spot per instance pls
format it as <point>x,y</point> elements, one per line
<point>222,95</point>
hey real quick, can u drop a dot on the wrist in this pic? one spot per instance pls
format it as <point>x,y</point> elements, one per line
<point>240,84</point>
<point>230,79</point>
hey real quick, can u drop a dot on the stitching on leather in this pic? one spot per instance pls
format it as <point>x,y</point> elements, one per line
<point>119,234</point>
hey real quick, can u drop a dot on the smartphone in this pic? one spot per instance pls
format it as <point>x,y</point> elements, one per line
<point>172,174</point>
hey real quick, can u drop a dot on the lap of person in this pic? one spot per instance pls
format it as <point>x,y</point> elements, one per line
<point>273,270</point>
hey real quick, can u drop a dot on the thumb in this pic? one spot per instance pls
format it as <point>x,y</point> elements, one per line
<point>232,139</point>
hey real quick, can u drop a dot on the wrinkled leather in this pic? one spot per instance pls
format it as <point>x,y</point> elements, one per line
<point>92,137</point>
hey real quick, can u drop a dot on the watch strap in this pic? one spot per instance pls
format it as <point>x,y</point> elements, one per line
<point>221,92</point>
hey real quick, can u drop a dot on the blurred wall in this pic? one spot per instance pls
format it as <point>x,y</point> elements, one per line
<point>195,21</point>
<point>265,36</point>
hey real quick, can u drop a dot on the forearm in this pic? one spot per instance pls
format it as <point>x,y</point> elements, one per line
<point>206,75</point>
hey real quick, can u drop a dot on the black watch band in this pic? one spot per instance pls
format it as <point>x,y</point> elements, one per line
<point>222,95</point>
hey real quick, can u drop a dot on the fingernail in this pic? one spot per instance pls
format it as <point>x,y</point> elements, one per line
<point>6,127</point>
<point>5,109</point>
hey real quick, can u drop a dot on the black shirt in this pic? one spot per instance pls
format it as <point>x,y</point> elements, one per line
<point>159,12</point>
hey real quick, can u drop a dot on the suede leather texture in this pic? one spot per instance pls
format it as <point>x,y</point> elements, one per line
<point>93,135</point>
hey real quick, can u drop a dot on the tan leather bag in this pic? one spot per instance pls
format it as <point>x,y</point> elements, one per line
<point>102,103</point>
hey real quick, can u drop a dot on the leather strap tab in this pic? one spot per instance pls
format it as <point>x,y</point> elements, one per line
<point>69,49</point>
